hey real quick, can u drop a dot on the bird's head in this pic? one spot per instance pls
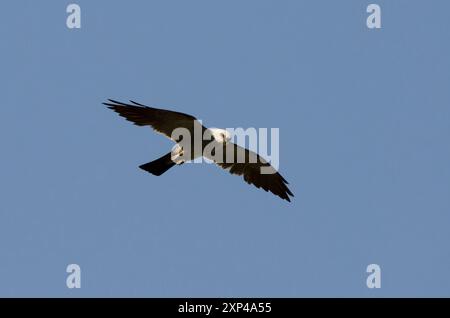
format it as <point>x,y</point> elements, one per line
<point>220,135</point>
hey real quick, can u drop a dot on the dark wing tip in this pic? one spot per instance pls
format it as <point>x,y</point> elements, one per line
<point>115,105</point>
<point>284,180</point>
<point>112,104</point>
<point>115,102</point>
<point>285,195</point>
<point>136,103</point>
<point>289,192</point>
<point>286,191</point>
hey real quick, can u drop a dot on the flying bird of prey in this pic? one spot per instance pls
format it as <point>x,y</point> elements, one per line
<point>244,162</point>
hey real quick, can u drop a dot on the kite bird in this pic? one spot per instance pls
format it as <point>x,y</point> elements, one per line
<point>246,163</point>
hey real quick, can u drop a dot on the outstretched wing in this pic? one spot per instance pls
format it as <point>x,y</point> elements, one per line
<point>161,120</point>
<point>255,170</point>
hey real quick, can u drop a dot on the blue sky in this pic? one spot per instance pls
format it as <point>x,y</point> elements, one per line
<point>364,128</point>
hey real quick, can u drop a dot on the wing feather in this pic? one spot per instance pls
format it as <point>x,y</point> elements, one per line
<point>161,120</point>
<point>249,166</point>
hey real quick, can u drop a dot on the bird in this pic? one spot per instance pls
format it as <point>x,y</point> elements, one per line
<point>172,124</point>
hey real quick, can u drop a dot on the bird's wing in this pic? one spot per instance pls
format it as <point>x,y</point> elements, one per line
<point>161,120</point>
<point>248,164</point>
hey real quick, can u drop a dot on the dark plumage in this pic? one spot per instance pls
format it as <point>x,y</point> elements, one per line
<point>246,163</point>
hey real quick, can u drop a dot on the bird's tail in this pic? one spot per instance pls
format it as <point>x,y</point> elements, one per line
<point>159,166</point>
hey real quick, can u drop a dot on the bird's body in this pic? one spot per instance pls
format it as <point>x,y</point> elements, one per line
<point>193,140</point>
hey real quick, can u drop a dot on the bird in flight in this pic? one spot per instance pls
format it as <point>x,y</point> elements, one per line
<point>176,126</point>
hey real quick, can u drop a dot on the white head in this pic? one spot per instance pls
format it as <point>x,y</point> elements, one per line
<point>220,135</point>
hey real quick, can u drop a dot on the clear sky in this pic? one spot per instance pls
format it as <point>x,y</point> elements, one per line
<point>364,142</point>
